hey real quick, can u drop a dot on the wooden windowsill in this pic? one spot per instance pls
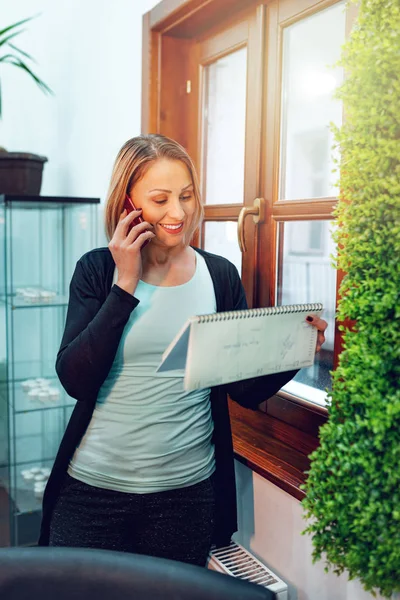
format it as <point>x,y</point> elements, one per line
<point>272,448</point>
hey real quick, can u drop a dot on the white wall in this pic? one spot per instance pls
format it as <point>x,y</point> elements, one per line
<point>270,526</point>
<point>89,53</point>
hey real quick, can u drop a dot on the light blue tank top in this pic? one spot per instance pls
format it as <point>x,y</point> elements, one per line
<point>146,433</point>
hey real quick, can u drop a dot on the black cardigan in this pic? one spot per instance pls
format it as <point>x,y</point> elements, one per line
<point>96,317</point>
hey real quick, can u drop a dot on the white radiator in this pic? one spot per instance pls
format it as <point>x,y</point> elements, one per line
<point>234,560</point>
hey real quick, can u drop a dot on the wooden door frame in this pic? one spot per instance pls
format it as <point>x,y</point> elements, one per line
<point>277,440</point>
<point>172,60</point>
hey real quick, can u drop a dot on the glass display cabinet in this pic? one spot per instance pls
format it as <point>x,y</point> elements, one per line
<point>41,238</point>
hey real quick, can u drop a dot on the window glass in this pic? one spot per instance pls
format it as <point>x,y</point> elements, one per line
<point>224,114</point>
<point>305,274</point>
<point>310,49</point>
<point>220,237</point>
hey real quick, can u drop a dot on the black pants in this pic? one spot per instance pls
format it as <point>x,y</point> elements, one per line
<point>176,524</point>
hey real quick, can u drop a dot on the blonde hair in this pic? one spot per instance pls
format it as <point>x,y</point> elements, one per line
<point>132,161</point>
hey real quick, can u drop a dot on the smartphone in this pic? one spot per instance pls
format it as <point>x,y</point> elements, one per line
<point>129,206</point>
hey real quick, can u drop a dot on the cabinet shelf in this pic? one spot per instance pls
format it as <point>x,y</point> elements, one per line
<point>41,240</point>
<point>36,203</point>
<point>21,492</point>
<point>19,303</point>
<point>22,403</point>
<point>43,408</point>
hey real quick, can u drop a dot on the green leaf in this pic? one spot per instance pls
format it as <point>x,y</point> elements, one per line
<point>22,52</point>
<point>9,33</point>
<point>11,27</point>
<point>13,60</point>
<point>10,37</point>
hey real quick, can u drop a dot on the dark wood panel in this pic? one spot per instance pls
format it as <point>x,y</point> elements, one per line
<point>223,42</point>
<point>268,469</point>
<point>294,10</point>
<point>222,212</point>
<point>293,210</point>
<point>146,74</point>
<point>266,263</point>
<point>297,416</point>
<point>255,447</point>
<point>167,12</point>
<point>173,94</point>
<point>193,101</point>
<point>151,74</point>
<point>189,19</point>
<point>282,436</point>
<point>253,137</point>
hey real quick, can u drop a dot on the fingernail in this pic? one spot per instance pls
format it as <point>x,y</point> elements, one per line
<point>310,319</point>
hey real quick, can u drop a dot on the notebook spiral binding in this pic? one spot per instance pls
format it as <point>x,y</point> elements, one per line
<point>259,312</point>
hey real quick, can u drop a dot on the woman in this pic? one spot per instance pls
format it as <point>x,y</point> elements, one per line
<point>145,466</point>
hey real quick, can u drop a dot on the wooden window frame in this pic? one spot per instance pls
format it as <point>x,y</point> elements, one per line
<point>276,440</point>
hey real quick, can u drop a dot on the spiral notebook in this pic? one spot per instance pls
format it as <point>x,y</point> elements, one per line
<point>230,346</point>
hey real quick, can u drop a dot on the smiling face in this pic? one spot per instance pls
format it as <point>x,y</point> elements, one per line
<point>165,194</point>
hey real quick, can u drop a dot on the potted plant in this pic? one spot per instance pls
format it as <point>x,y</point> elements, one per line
<point>20,172</point>
<point>353,486</point>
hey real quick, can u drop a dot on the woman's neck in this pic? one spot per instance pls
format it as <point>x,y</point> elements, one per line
<point>168,268</point>
<point>153,255</point>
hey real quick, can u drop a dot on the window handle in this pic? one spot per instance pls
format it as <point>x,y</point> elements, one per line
<point>258,212</point>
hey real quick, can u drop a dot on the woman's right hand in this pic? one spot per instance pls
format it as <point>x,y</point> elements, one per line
<point>125,249</point>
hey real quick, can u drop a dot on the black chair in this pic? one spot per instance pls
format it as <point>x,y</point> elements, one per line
<point>83,574</point>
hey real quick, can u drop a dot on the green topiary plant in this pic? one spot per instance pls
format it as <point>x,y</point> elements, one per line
<point>353,486</point>
<point>15,56</point>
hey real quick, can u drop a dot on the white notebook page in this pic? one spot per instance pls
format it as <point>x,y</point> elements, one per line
<point>224,351</point>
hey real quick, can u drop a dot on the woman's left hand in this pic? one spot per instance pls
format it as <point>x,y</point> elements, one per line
<point>321,325</point>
